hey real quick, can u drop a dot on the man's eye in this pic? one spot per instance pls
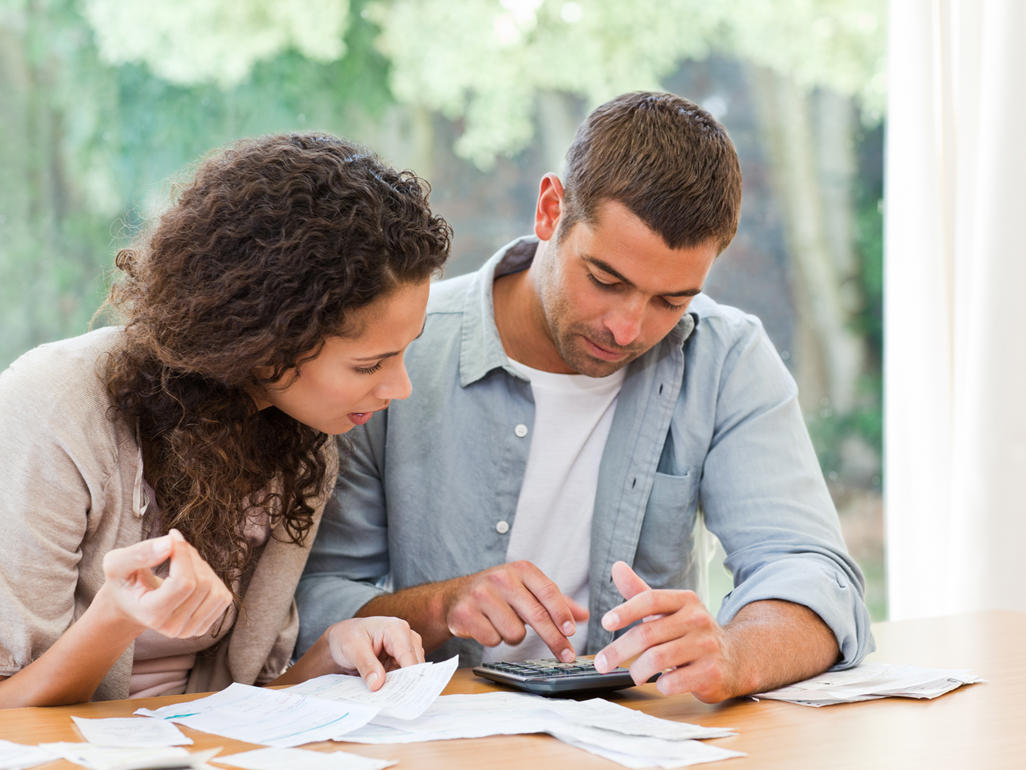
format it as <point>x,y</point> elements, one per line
<point>597,282</point>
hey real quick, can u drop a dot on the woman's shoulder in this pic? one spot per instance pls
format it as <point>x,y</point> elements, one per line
<point>71,365</point>
<point>60,382</point>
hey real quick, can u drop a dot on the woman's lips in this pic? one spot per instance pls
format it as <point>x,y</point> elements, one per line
<point>360,418</point>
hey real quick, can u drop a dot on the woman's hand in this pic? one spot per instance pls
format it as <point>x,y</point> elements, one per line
<point>185,604</point>
<point>365,646</point>
<point>372,646</point>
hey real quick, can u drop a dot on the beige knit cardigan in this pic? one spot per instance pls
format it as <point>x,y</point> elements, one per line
<point>71,489</point>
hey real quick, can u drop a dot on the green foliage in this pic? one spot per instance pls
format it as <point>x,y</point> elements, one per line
<point>103,100</point>
<point>869,241</point>
<point>87,147</point>
<point>449,57</point>
<point>219,41</point>
<point>838,44</point>
<point>831,431</point>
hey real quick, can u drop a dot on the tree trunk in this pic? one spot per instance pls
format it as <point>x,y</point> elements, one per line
<point>809,141</point>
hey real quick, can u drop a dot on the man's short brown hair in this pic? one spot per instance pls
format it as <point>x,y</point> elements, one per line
<point>664,158</point>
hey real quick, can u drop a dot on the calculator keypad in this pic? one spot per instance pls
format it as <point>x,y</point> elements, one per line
<point>549,676</point>
<point>543,667</point>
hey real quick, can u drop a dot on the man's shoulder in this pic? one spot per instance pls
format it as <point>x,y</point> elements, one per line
<point>449,296</point>
<point>728,340</point>
<point>722,324</point>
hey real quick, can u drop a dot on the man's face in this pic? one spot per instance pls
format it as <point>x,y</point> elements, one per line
<point>612,289</point>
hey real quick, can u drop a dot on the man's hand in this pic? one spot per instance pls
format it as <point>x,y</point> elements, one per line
<point>497,604</point>
<point>677,639</point>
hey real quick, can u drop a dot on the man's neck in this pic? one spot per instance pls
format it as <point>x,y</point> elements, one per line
<point>521,324</point>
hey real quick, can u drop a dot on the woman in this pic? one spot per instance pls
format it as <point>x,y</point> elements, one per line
<point>162,481</point>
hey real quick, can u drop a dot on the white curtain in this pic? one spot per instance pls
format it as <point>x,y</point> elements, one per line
<point>955,307</point>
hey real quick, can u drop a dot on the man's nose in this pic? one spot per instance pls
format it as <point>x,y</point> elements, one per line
<point>625,322</point>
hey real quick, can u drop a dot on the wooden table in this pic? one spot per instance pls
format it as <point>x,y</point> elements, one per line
<point>979,726</point>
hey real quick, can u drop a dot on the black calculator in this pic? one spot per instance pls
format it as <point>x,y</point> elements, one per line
<point>548,676</point>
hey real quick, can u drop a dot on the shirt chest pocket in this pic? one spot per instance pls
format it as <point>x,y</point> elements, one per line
<point>665,557</point>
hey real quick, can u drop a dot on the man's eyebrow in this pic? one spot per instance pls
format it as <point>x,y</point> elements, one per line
<point>605,268</point>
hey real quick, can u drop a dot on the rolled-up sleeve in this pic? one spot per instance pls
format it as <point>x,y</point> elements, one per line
<point>763,495</point>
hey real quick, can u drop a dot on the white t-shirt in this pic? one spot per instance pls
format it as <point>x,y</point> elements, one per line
<point>552,528</point>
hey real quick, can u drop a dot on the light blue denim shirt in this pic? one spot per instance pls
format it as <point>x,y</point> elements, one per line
<point>708,420</point>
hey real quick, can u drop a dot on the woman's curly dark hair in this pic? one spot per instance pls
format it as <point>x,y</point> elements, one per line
<point>263,255</point>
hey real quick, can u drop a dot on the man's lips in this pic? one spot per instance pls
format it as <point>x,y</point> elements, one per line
<point>604,353</point>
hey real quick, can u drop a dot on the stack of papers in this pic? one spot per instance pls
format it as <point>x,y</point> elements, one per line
<point>298,759</point>
<point>406,694</point>
<point>629,737</point>
<point>268,717</point>
<point>871,681</point>
<point>408,708</point>
<point>15,756</point>
<point>321,709</point>
<point>113,757</point>
<point>130,732</point>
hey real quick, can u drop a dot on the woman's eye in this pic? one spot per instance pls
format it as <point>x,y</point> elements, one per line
<point>369,369</point>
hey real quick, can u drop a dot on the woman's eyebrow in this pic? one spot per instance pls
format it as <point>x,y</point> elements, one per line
<point>379,357</point>
<point>391,353</point>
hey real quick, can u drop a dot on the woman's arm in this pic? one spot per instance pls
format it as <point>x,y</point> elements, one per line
<point>183,605</point>
<point>72,669</point>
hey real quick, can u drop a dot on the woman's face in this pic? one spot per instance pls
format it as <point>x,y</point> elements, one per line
<point>357,375</point>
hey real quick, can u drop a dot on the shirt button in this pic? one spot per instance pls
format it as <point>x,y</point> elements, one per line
<point>520,430</point>
<point>502,527</point>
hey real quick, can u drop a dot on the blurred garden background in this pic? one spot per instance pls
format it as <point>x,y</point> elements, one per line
<point>104,102</point>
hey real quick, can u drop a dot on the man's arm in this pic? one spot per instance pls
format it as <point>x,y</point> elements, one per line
<point>764,496</point>
<point>350,559</point>
<point>492,606</point>
<point>796,608</point>
<point>767,644</point>
<point>349,556</point>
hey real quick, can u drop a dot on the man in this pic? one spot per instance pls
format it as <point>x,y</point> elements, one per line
<point>576,402</point>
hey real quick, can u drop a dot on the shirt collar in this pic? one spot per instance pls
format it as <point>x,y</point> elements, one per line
<point>481,348</point>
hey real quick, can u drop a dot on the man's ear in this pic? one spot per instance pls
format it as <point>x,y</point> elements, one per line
<point>549,207</point>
